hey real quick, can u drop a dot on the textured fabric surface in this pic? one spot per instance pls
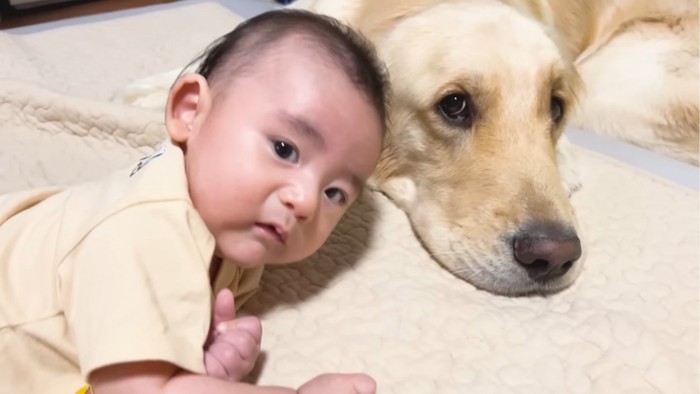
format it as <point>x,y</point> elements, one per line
<point>372,299</point>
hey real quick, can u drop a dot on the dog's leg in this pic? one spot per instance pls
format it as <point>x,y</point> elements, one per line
<point>150,92</point>
<point>642,87</point>
<point>344,10</point>
<point>303,4</point>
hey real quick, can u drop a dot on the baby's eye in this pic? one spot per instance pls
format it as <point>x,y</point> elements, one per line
<point>337,196</point>
<point>286,151</point>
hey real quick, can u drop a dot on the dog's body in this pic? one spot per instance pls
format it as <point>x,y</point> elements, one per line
<point>481,91</point>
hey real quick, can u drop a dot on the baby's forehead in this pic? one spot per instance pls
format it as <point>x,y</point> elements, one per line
<point>276,57</point>
<point>264,48</point>
<point>255,57</point>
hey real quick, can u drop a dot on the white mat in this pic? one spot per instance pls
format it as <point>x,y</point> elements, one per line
<point>372,299</point>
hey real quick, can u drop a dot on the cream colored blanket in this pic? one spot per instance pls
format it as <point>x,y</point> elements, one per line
<point>372,299</point>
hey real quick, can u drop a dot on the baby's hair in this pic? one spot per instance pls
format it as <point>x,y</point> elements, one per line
<point>239,49</point>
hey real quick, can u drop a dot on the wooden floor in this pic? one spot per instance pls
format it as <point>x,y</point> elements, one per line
<point>68,10</point>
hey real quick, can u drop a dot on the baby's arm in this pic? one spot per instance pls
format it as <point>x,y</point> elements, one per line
<point>154,377</point>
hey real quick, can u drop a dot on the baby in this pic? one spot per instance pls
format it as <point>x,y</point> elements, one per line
<point>111,283</point>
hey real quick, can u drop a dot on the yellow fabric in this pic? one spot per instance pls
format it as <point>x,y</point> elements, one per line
<point>84,390</point>
<point>107,272</point>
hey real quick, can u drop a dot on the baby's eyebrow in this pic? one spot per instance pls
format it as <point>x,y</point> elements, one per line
<point>304,128</point>
<point>357,182</point>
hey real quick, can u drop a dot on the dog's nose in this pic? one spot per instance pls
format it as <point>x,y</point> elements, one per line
<point>547,251</point>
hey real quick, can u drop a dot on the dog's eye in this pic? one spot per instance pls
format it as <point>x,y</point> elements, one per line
<point>456,108</point>
<point>556,107</point>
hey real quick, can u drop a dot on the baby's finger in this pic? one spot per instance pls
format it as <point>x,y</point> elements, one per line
<point>250,324</point>
<point>340,384</point>
<point>224,307</point>
<point>364,384</point>
<point>214,367</point>
<point>243,341</point>
<point>226,357</point>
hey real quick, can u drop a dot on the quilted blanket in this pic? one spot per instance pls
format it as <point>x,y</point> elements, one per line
<point>372,299</point>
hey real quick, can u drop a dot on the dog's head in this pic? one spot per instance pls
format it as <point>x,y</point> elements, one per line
<point>480,97</point>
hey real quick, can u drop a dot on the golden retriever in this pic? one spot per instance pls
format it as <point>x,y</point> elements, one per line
<point>482,90</point>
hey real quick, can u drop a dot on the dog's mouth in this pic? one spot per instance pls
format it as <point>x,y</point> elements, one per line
<point>523,265</point>
<point>514,281</point>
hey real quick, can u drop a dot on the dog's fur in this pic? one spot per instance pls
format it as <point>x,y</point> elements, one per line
<point>638,59</point>
<point>627,68</point>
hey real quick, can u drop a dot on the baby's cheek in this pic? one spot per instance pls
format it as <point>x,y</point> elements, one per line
<point>327,230</point>
<point>313,241</point>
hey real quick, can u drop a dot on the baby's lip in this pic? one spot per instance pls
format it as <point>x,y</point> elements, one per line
<point>276,229</point>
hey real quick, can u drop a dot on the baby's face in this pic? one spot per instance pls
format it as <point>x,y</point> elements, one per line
<point>279,158</point>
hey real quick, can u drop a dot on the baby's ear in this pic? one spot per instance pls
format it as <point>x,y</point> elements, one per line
<point>188,103</point>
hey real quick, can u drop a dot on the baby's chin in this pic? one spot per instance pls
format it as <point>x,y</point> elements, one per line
<point>244,256</point>
<point>249,253</point>
<point>287,258</point>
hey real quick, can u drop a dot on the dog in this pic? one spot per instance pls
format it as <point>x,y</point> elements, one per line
<point>482,90</point>
<point>481,93</point>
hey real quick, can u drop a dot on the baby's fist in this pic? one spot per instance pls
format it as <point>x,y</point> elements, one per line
<point>337,383</point>
<point>234,344</point>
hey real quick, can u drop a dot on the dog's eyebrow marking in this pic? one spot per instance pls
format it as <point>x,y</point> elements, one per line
<point>470,85</point>
<point>303,127</point>
<point>559,81</point>
<point>566,83</point>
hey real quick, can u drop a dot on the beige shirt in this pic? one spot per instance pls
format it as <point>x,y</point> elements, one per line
<point>107,272</point>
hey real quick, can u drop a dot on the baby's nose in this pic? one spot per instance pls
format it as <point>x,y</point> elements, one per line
<point>302,201</point>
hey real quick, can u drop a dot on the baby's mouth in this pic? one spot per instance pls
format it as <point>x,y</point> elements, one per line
<point>274,231</point>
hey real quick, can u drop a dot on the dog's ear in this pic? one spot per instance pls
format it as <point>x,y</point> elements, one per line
<point>400,189</point>
<point>377,17</point>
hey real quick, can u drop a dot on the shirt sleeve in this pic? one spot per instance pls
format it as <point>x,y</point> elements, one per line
<point>247,285</point>
<point>243,282</point>
<point>137,288</point>
<point>13,203</point>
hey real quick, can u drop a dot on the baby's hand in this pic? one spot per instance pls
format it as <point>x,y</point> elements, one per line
<point>337,383</point>
<point>233,344</point>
